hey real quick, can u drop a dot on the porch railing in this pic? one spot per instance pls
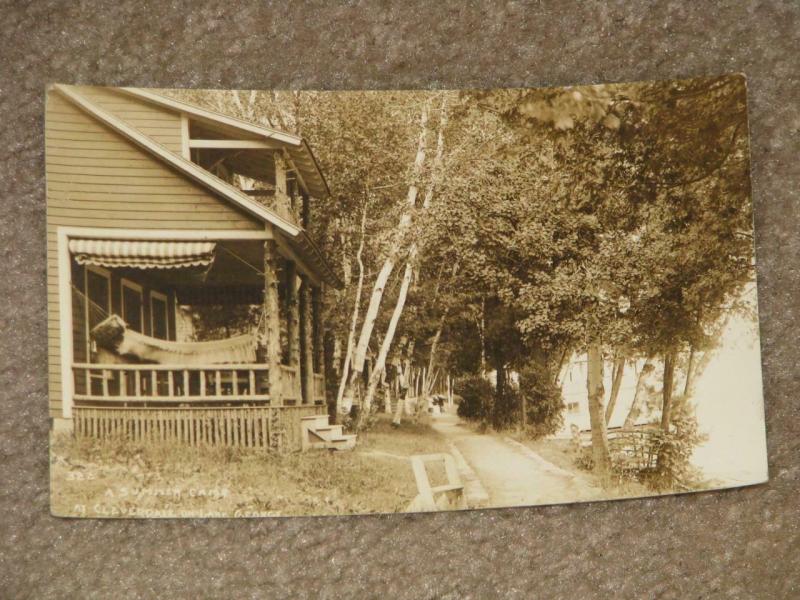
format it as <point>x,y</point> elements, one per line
<point>290,385</point>
<point>275,427</point>
<point>171,383</point>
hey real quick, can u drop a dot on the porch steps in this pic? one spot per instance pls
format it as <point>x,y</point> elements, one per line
<point>318,433</point>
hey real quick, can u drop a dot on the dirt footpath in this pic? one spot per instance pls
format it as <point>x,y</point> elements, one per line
<point>512,474</point>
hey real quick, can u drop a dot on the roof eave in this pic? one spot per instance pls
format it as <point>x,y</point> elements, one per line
<point>180,106</point>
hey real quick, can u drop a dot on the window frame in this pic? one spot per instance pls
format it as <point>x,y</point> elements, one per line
<point>105,274</point>
<point>155,295</point>
<point>131,285</point>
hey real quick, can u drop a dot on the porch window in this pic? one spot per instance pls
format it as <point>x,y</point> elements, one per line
<point>98,307</point>
<point>159,327</point>
<point>98,294</point>
<point>132,305</point>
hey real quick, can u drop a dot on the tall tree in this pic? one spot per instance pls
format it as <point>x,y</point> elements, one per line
<point>393,254</point>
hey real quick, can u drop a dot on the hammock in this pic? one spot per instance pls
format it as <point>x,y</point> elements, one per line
<point>113,334</point>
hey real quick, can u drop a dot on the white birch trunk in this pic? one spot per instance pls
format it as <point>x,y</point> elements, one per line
<point>354,321</point>
<point>388,265</point>
<point>639,396</point>
<point>380,363</point>
<point>411,265</point>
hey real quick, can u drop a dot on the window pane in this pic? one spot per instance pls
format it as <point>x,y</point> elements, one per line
<point>99,300</point>
<point>159,318</point>
<point>132,308</point>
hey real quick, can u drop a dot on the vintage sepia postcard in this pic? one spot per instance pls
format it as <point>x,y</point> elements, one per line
<point>271,303</point>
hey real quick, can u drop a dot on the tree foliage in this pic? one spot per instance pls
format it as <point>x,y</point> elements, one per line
<point>612,215</point>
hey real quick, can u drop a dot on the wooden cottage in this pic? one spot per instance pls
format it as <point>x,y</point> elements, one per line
<point>146,222</point>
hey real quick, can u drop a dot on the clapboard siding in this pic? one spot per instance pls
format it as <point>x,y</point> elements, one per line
<point>158,123</point>
<point>96,178</point>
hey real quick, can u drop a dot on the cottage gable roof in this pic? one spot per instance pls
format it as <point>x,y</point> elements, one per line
<point>294,239</point>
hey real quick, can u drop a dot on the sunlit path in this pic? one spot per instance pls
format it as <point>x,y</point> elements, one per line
<point>511,474</point>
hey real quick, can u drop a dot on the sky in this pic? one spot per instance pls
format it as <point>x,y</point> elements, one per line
<point>730,408</point>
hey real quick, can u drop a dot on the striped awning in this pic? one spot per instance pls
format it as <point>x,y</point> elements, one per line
<point>142,255</point>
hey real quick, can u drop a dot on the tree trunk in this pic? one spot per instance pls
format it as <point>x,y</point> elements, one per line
<point>336,357</point>
<point>688,384</point>
<point>272,327</point>
<point>351,337</point>
<point>327,343</point>
<point>380,363</point>
<point>293,313</point>
<point>434,345</point>
<point>306,371</point>
<point>413,251</point>
<point>400,408</point>
<point>347,269</point>
<point>616,383</point>
<point>666,402</point>
<point>248,112</point>
<point>438,335</point>
<point>499,393</point>
<point>698,365</point>
<point>439,157</point>
<point>387,400</point>
<point>394,251</point>
<point>639,395</point>
<point>594,384</point>
<point>449,390</point>
<point>482,332</point>
<point>666,410</point>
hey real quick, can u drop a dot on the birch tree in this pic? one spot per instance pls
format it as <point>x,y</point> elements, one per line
<point>379,286</point>
<point>411,265</point>
<point>643,386</point>
<point>356,306</point>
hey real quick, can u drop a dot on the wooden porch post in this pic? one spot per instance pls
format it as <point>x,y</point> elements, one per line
<point>282,203</point>
<point>272,322</point>
<point>318,333</point>
<point>307,347</point>
<point>280,173</point>
<point>293,326</point>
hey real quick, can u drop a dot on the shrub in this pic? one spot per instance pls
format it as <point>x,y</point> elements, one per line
<point>674,470</point>
<point>358,419</point>
<point>506,411</point>
<point>543,402</point>
<point>477,398</point>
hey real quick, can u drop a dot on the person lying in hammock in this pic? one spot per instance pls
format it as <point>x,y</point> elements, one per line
<point>114,335</point>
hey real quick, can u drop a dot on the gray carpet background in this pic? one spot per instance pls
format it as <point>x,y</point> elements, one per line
<point>733,544</point>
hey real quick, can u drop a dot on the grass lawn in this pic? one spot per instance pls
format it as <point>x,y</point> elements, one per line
<point>410,438</point>
<point>117,479</point>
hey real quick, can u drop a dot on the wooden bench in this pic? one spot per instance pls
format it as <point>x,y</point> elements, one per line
<point>448,496</point>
